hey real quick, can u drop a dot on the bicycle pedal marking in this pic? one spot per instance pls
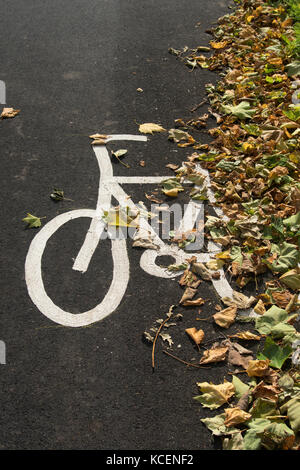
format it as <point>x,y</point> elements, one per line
<point>109,186</point>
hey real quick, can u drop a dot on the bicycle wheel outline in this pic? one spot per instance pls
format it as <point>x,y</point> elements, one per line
<point>35,284</point>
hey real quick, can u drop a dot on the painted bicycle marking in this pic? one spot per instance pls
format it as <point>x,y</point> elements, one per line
<point>111,186</point>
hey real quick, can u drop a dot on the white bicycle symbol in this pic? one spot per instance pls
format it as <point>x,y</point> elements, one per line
<point>109,186</point>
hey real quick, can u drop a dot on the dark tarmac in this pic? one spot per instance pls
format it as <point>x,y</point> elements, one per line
<point>73,68</point>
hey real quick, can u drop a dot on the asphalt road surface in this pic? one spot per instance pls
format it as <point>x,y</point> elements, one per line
<point>73,68</point>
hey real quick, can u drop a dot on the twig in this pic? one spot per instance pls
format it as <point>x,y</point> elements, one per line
<point>184,362</point>
<point>157,333</point>
<point>198,105</point>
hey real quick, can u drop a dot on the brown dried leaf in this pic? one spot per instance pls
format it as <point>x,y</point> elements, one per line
<point>237,355</point>
<point>194,303</point>
<point>247,335</point>
<point>235,415</point>
<point>216,354</point>
<point>282,299</point>
<point>262,390</point>
<point>201,270</point>
<point>98,136</point>
<point>226,317</point>
<point>98,142</point>
<point>188,294</point>
<point>172,166</point>
<point>9,113</point>
<point>196,335</point>
<point>258,368</point>
<point>154,199</point>
<point>240,300</point>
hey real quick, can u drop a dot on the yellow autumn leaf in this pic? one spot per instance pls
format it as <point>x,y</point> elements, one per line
<point>171,192</point>
<point>247,147</point>
<point>196,335</point>
<point>235,415</point>
<point>214,396</point>
<point>260,308</point>
<point>257,368</point>
<point>215,264</point>
<point>247,335</point>
<point>150,127</point>
<point>223,255</point>
<point>226,317</point>
<point>218,45</point>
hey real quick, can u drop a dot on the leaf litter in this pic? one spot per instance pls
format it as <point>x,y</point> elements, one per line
<point>253,162</point>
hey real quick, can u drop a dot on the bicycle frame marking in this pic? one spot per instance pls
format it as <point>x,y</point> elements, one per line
<point>110,186</point>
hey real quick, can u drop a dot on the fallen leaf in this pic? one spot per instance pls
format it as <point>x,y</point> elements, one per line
<point>276,354</point>
<point>177,135</point>
<point>119,153</point>
<point>98,142</point>
<point>172,166</point>
<point>291,278</point>
<point>263,390</point>
<point>215,264</point>
<point>218,45</point>
<point>98,136</point>
<point>240,300</point>
<point>9,113</point>
<point>226,317</point>
<point>57,195</point>
<point>188,294</point>
<point>235,416</point>
<point>214,396</point>
<point>171,187</point>
<point>154,199</point>
<point>242,110</point>
<point>150,127</point>
<point>238,356</point>
<point>166,337</point>
<point>235,442</point>
<point>247,335</point>
<point>214,355</point>
<point>201,270</point>
<point>171,192</point>
<point>258,368</point>
<point>189,279</point>
<point>260,308</point>
<point>193,303</point>
<point>146,243</point>
<point>196,335</point>
<point>32,221</point>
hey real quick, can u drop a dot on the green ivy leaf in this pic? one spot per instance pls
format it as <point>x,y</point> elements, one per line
<point>275,353</point>
<point>242,110</point>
